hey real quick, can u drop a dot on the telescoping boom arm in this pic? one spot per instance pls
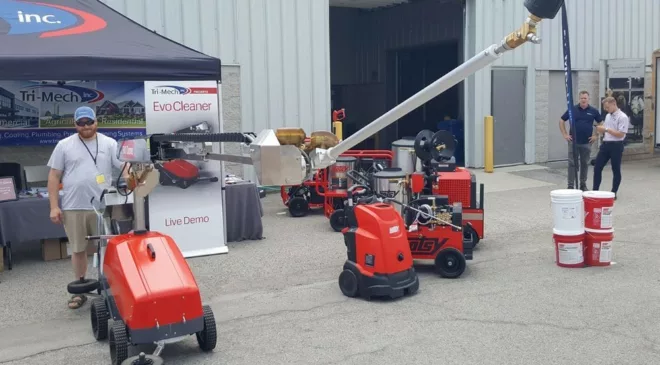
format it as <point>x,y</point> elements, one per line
<point>280,160</point>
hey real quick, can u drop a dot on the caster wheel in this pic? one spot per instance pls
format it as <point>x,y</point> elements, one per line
<point>82,286</point>
<point>450,263</point>
<point>207,337</point>
<point>348,283</point>
<point>100,317</point>
<point>338,220</point>
<point>298,207</point>
<point>118,339</point>
<point>143,359</point>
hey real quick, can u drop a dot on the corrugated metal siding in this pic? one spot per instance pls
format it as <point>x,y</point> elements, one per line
<point>599,29</point>
<point>360,57</point>
<point>281,46</point>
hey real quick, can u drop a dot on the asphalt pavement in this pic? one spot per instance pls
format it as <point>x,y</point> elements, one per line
<point>277,301</point>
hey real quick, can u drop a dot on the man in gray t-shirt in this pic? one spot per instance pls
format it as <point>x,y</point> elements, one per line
<point>83,164</point>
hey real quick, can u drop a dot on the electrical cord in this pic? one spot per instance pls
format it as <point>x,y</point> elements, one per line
<point>119,190</point>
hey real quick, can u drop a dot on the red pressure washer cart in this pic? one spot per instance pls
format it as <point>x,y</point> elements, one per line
<point>336,182</point>
<point>300,199</point>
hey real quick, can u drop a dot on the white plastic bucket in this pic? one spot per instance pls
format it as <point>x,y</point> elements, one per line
<point>567,211</point>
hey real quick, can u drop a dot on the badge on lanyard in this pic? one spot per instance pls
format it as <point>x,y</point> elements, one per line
<point>100,178</point>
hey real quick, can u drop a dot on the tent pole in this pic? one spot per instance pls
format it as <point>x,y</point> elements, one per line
<point>222,163</point>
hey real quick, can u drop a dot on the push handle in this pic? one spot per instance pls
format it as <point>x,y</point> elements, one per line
<point>100,237</point>
<point>152,252</point>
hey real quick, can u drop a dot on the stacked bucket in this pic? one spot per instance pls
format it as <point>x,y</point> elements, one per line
<point>583,231</point>
<point>599,231</point>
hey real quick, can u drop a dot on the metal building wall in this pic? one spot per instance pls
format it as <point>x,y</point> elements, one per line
<point>281,47</point>
<point>599,29</point>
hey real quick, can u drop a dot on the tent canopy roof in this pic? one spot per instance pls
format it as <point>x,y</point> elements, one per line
<point>87,40</point>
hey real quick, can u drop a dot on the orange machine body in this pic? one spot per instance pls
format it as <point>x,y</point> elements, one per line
<point>378,251</point>
<point>150,282</point>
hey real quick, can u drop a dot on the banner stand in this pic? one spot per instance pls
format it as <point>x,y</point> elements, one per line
<point>188,204</point>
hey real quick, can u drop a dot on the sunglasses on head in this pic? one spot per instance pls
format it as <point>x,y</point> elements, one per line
<point>85,121</point>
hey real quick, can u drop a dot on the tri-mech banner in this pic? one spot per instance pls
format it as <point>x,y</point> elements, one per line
<point>41,113</point>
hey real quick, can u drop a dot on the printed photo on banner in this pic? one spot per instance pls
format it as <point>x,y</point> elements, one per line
<point>41,112</point>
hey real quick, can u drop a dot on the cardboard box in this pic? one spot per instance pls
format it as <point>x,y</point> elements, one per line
<point>50,249</point>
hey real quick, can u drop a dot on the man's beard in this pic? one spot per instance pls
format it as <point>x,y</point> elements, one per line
<point>87,133</point>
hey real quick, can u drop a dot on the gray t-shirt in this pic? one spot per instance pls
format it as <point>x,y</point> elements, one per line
<point>79,172</point>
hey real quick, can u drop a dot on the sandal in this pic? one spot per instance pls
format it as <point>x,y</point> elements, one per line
<point>77,301</point>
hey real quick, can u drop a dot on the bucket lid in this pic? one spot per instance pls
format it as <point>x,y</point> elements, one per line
<point>559,232</point>
<point>566,192</point>
<point>597,231</point>
<point>599,194</point>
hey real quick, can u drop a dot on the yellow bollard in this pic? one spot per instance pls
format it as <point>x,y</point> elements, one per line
<point>337,124</point>
<point>337,129</point>
<point>488,143</point>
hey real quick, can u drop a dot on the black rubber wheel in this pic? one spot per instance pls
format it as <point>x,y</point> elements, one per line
<point>83,286</point>
<point>450,263</point>
<point>298,207</point>
<point>100,316</point>
<point>348,283</point>
<point>143,359</point>
<point>471,234</point>
<point>338,220</point>
<point>207,338</point>
<point>118,340</point>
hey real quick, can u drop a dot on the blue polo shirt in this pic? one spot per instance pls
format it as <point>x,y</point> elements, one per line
<point>584,122</point>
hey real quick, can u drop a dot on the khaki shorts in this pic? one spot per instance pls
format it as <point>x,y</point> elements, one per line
<point>77,225</point>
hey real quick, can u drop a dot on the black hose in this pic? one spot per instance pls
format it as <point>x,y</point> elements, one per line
<point>200,137</point>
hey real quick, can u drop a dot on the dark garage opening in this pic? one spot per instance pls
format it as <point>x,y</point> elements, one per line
<point>382,56</point>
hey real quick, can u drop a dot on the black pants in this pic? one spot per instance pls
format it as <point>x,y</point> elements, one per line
<point>609,151</point>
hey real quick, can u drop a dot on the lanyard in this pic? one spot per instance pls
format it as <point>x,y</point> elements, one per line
<point>94,157</point>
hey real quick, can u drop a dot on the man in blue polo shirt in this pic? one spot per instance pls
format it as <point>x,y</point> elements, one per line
<point>585,117</point>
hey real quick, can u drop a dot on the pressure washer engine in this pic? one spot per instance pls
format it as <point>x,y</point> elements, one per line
<point>437,174</point>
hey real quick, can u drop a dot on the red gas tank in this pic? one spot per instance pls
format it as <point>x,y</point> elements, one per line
<point>150,281</point>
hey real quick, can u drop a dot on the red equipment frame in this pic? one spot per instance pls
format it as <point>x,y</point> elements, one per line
<point>320,180</point>
<point>331,196</point>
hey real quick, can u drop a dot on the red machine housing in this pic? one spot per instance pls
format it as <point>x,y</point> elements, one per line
<point>426,244</point>
<point>182,169</point>
<point>181,173</point>
<point>460,186</point>
<point>379,260</point>
<point>151,287</point>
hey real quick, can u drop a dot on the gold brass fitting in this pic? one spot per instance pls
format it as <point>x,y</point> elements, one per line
<point>527,32</point>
